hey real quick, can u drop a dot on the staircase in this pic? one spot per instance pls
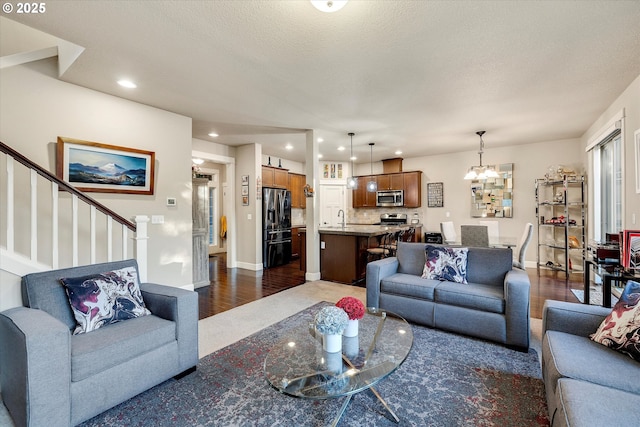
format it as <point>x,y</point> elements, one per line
<point>45,223</point>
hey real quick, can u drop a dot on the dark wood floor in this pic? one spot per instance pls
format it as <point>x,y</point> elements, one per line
<point>234,287</point>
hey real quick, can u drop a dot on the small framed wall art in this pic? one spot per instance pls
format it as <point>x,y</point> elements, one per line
<point>435,195</point>
<point>244,190</point>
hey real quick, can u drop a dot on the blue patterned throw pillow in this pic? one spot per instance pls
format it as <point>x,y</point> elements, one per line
<point>445,263</point>
<point>101,299</point>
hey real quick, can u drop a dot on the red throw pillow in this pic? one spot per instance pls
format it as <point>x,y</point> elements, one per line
<point>620,330</point>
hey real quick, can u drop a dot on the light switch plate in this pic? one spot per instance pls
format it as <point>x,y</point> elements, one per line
<point>157,219</point>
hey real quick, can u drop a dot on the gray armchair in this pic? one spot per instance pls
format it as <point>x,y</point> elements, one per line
<point>51,377</point>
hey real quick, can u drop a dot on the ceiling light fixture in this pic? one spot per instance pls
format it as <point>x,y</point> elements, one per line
<point>481,172</point>
<point>341,148</point>
<point>197,161</point>
<point>352,182</point>
<point>398,152</point>
<point>372,185</point>
<point>289,146</point>
<point>127,83</point>
<point>213,135</point>
<point>328,5</point>
<point>320,140</point>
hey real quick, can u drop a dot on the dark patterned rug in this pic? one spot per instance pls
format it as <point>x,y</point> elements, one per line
<point>447,380</point>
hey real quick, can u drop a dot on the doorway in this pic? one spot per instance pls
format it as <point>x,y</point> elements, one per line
<point>333,201</point>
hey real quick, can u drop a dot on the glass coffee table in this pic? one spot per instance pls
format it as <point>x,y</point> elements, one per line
<point>298,366</point>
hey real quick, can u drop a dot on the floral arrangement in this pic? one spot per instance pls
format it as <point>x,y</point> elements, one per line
<point>352,306</point>
<point>331,320</point>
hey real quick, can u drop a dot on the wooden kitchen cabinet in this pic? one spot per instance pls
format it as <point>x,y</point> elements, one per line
<point>296,186</point>
<point>295,242</point>
<point>274,177</point>
<point>303,248</point>
<point>343,258</point>
<point>361,198</point>
<point>390,181</point>
<point>412,189</point>
<point>409,182</point>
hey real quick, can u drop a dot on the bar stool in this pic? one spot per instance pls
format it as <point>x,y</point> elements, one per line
<point>407,236</point>
<point>381,251</point>
<point>392,244</point>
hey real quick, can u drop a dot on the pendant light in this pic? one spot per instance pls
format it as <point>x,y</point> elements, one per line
<point>372,185</point>
<point>481,172</point>
<point>352,182</point>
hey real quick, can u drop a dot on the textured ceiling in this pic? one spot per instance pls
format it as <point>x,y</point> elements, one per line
<point>419,76</point>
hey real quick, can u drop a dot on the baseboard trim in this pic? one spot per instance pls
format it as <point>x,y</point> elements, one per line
<point>310,277</point>
<point>249,266</point>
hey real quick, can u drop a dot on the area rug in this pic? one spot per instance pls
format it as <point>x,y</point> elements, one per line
<point>447,380</point>
<point>595,296</point>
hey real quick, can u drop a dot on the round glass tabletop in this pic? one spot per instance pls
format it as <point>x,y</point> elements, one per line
<point>299,366</point>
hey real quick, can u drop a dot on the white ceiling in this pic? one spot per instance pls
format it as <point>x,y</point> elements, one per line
<point>419,76</point>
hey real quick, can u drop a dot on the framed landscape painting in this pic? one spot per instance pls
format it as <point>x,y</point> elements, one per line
<point>101,168</point>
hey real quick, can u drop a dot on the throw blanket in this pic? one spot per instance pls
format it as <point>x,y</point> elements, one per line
<point>223,227</point>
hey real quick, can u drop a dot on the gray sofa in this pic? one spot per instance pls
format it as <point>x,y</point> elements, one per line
<point>586,383</point>
<point>50,377</point>
<point>494,305</point>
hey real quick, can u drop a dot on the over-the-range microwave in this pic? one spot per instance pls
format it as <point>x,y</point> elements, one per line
<point>388,198</point>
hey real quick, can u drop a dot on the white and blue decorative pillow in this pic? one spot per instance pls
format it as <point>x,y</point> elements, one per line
<point>101,299</point>
<point>445,263</point>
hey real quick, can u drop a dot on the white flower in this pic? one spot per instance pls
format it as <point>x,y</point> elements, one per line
<point>331,320</point>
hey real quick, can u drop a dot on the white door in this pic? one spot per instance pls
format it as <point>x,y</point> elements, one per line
<point>331,201</point>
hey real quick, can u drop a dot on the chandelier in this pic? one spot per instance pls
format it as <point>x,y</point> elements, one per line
<point>481,172</point>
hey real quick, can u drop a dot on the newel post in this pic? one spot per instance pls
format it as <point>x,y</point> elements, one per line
<point>141,238</point>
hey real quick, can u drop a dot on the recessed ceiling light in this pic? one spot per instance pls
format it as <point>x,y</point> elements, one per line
<point>320,140</point>
<point>341,148</point>
<point>213,135</point>
<point>353,158</point>
<point>289,147</point>
<point>128,84</point>
<point>328,5</point>
<point>197,161</point>
<point>398,152</point>
<point>319,156</point>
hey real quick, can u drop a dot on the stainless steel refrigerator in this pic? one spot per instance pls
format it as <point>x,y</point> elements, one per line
<point>276,227</point>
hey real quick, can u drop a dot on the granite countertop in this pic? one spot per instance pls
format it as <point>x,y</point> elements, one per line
<point>364,230</point>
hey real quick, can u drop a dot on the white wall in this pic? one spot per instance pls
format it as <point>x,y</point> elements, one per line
<point>291,165</point>
<point>629,100</point>
<point>249,218</point>
<point>37,108</point>
<point>213,148</point>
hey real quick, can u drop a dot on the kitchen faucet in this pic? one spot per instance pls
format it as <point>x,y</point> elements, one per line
<point>342,216</point>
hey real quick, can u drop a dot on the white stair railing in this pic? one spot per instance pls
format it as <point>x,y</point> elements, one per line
<point>74,238</point>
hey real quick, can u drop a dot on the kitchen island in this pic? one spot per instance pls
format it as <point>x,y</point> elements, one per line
<point>343,250</point>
